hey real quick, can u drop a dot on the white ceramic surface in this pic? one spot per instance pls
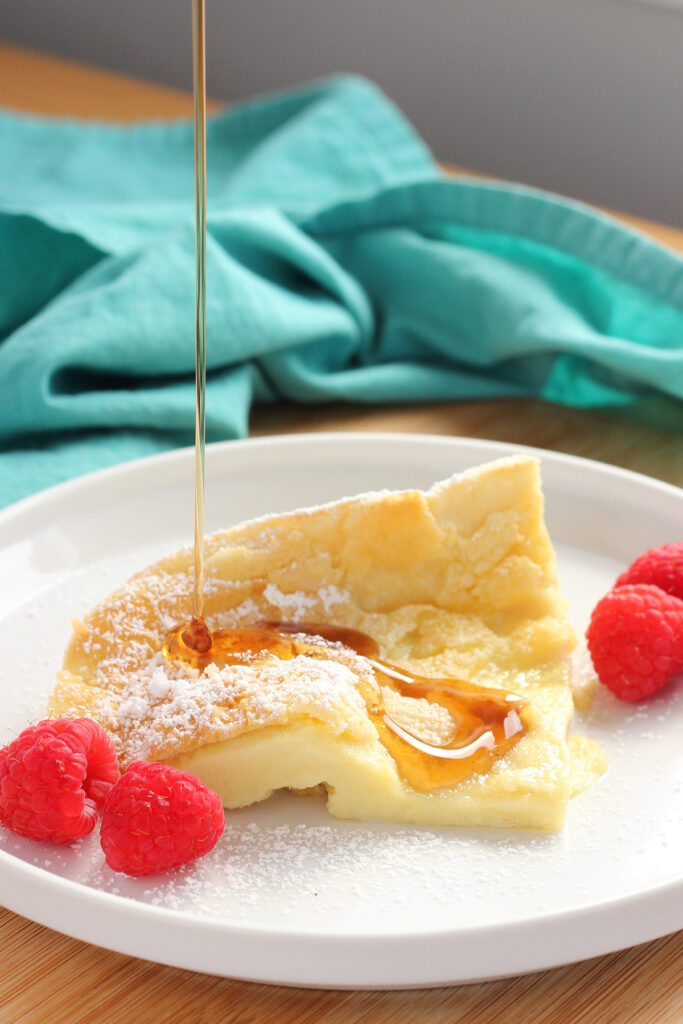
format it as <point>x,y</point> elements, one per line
<point>290,895</point>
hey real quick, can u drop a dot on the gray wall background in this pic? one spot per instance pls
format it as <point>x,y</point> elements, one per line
<point>584,97</point>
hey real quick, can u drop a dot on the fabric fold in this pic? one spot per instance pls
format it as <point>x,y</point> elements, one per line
<point>341,265</point>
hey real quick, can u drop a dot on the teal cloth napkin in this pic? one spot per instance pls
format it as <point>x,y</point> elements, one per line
<point>341,265</point>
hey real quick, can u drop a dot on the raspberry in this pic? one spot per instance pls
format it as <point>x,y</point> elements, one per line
<point>635,638</point>
<point>156,818</point>
<point>54,778</point>
<point>663,567</point>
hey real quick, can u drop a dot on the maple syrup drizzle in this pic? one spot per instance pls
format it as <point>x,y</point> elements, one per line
<point>486,722</point>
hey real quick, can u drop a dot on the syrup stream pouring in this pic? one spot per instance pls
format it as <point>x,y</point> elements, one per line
<point>197,635</point>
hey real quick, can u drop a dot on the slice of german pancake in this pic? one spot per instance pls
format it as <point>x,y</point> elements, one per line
<point>457,587</point>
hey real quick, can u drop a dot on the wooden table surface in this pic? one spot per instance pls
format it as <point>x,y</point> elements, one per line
<point>51,979</point>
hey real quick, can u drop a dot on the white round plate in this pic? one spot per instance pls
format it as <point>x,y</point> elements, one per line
<point>290,895</point>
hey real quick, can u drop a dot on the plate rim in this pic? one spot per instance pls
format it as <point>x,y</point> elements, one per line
<point>216,449</point>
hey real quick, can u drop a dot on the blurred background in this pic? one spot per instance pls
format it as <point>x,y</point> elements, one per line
<point>583,97</point>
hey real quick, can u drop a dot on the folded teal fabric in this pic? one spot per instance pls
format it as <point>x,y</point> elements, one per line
<point>341,265</point>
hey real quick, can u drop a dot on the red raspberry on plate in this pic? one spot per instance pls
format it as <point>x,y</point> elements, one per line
<point>635,638</point>
<point>156,818</point>
<point>54,778</point>
<point>662,567</point>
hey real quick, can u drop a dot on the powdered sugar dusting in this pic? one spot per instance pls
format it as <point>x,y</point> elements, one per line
<point>171,707</point>
<point>296,605</point>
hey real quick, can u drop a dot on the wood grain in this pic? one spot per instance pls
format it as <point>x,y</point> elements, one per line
<point>589,434</point>
<point>57,980</point>
<point>38,83</point>
<point>48,978</point>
